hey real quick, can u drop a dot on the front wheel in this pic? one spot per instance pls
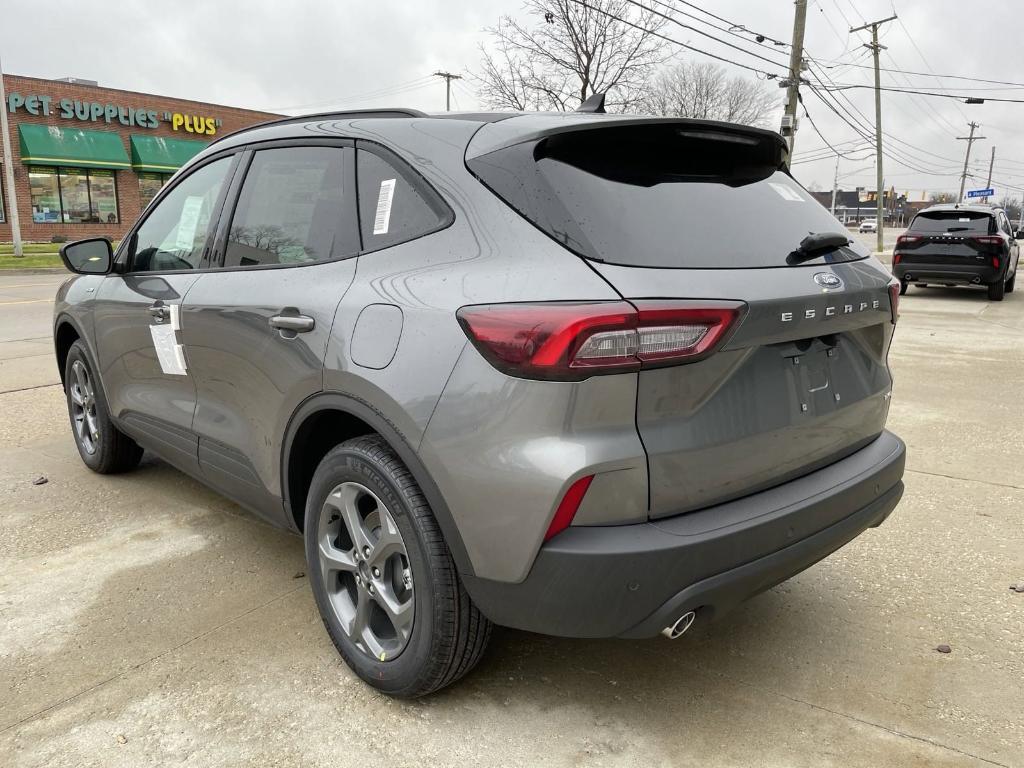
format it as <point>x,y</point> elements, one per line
<point>102,446</point>
<point>996,291</point>
<point>383,577</point>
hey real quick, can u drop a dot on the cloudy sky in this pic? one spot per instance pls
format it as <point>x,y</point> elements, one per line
<point>309,55</point>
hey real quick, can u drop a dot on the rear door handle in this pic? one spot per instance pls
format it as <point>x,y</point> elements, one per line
<point>294,323</point>
<point>159,310</point>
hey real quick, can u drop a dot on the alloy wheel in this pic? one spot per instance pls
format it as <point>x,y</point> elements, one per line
<point>83,408</point>
<point>366,572</point>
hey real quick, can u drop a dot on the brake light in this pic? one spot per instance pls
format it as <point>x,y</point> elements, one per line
<point>904,239</point>
<point>568,506</point>
<point>988,239</point>
<point>569,341</point>
<point>995,262</point>
<point>896,258</point>
<point>894,301</point>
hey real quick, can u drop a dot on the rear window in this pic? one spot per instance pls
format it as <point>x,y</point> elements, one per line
<point>975,222</point>
<point>662,195</point>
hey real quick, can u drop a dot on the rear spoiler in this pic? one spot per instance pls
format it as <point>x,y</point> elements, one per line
<point>534,127</point>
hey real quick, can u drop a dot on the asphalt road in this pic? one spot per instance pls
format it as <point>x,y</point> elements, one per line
<point>144,621</point>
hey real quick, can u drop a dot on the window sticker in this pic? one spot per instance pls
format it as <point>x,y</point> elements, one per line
<point>786,193</point>
<point>188,223</point>
<point>382,219</point>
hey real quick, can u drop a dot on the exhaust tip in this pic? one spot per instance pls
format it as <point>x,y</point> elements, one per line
<point>680,626</point>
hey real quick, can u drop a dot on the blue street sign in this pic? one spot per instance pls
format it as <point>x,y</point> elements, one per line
<point>981,193</point>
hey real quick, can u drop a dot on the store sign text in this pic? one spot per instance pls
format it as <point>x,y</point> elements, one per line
<point>94,112</point>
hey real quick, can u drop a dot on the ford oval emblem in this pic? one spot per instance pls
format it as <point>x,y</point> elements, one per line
<point>828,281</point>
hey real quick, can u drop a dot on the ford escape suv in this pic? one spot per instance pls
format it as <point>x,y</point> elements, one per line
<point>579,374</point>
<point>959,245</point>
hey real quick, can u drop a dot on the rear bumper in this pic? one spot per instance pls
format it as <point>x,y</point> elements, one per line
<point>982,273</point>
<point>633,580</point>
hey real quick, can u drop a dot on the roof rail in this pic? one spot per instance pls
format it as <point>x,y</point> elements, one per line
<point>352,113</point>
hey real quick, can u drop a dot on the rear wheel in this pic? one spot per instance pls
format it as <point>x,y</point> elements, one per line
<point>904,285</point>
<point>996,291</point>
<point>1011,283</point>
<point>102,446</point>
<point>383,578</point>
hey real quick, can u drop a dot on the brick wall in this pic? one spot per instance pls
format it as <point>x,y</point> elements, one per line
<point>128,200</point>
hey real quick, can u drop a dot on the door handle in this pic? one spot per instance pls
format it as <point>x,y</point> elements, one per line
<point>294,323</point>
<point>159,310</point>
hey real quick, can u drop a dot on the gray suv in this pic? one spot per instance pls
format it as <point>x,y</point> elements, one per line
<point>580,374</point>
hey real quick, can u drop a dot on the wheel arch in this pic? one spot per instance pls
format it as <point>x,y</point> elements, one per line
<point>66,332</point>
<point>329,418</point>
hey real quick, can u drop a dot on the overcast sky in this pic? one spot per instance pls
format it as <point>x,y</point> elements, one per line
<point>306,55</point>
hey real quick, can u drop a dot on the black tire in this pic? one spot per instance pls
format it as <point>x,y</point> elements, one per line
<point>903,287</point>
<point>996,291</point>
<point>1011,283</point>
<point>449,634</point>
<point>105,450</point>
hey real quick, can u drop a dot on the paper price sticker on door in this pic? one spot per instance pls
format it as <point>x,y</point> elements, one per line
<point>169,353</point>
<point>382,219</point>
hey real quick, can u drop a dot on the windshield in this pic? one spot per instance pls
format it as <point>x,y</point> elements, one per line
<point>662,196</point>
<point>974,222</point>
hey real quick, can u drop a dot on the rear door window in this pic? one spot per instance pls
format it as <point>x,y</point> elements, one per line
<point>941,222</point>
<point>395,203</point>
<point>662,195</point>
<point>295,206</point>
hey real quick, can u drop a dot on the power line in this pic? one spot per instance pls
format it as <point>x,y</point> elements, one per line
<point>734,25</point>
<point>851,86</point>
<point>830,63</point>
<point>729,31</point>
<point>701,32</point>
<point>767,74</point>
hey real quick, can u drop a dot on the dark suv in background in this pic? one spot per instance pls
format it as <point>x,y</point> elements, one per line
<point>525,369</point>
<point>959,245</point>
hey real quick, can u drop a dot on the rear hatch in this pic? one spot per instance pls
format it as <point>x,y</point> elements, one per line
<point>950,238</point>
<point>706,212</point>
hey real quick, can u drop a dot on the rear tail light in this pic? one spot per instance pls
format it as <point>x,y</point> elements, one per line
<point>995,262</point>
<point>894,301</point>
<point>568,506</point>
<point>569,341</point>
<point>906,239</point>
<point>896,258</point>
<point>988,239</point>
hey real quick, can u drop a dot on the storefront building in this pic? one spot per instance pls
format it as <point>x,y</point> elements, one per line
<point>87,159</point>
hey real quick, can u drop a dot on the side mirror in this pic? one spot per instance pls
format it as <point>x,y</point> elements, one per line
<point>94,256</point>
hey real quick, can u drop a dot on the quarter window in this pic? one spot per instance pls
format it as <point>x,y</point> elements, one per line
<point>173,235</point>
<point>293,208</point>
<point>395,204</point>
<point>73,196</point>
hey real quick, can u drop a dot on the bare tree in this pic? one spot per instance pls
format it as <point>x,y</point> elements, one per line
<point>704,90</point>
<point>942,197</point>
<point>567,52</point>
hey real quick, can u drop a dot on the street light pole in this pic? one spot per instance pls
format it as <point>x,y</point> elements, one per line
<point>12,197</point>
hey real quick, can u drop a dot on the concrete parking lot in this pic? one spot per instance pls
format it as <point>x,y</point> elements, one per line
<point>145,621</point>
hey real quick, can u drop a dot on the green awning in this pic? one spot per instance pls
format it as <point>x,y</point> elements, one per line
<point>154,153</point>
<point>75,147</point>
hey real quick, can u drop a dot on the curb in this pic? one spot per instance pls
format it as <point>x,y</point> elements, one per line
<point>33,271</point>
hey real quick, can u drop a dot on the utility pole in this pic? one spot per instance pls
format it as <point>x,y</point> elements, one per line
<point>967,157</point>
<point>448,77</point>
<point>835,185</point>
<point>876,48</point>
<point>12,198</point>
<point>795,66</point>
<point>991,162</point>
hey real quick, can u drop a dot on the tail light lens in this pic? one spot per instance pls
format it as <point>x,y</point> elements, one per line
<point>995,262</point>
<point>906,239</point>
<point>896,258</point>
<point>988,240</point>
<point>570,341</point>
<point>894,301</point>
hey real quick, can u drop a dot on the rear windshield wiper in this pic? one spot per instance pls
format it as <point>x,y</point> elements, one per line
<point>813,245</point>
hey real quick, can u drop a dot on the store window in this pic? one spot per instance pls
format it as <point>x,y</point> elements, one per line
<point>149,185</point>
<point>73,196</point>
